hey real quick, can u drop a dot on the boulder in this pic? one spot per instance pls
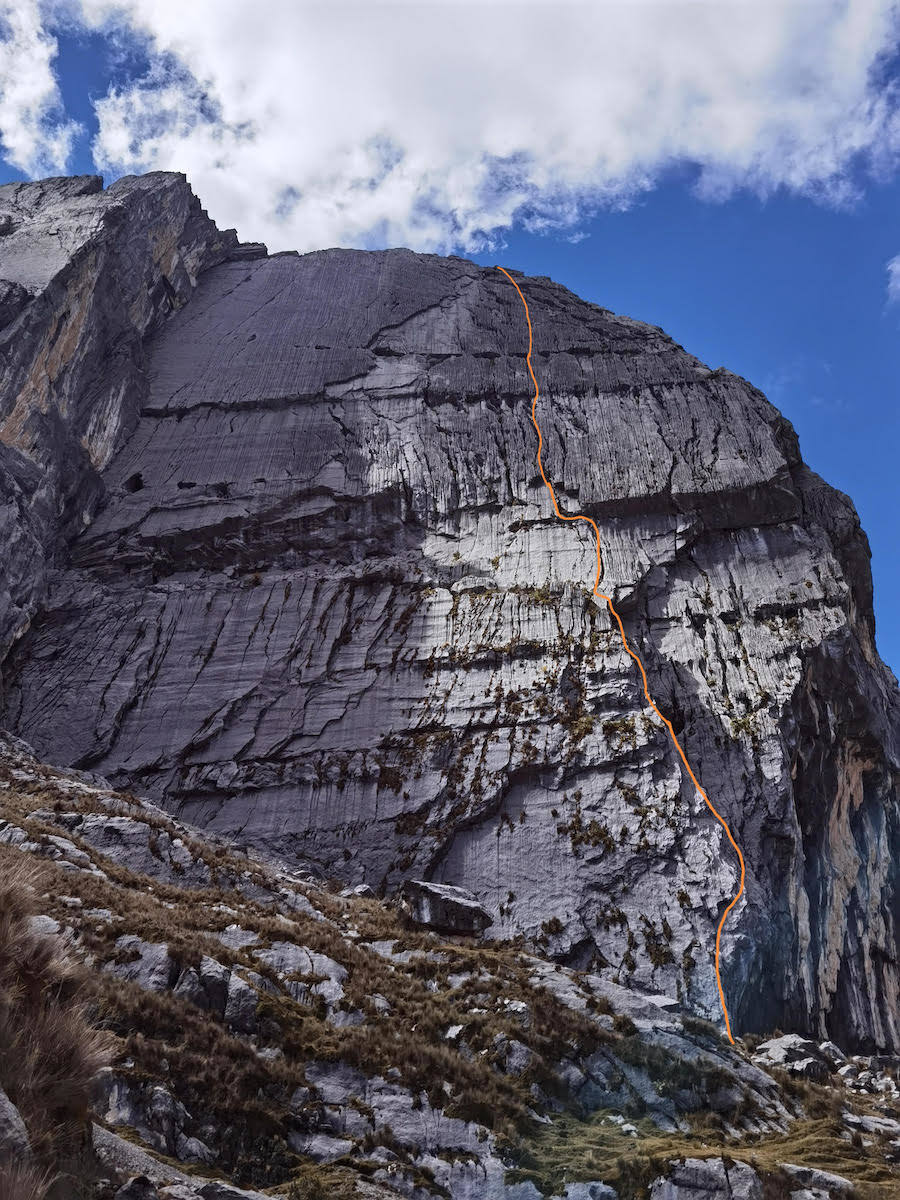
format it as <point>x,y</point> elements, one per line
<point>13,1134</point>
<point>243,998</point>
<point>708,1179</point>
<point>148,964</point>
<point>832,1054</point>
<point>44,924</point>
<point>869,1123</point>
<point>517,1058</point>
<point>191,1149</point>
<point>363,890</point>
<point>139,1187</point>
<point>819,1181</point>
<point>795,1054</point>
<point>440,906</point>
<point>810,1068</point>
<point>236,938</point>
<point>206,985</point>
<point>288,959</point>
<point>190,988</point>
<point>216,1190</point>
<point>214,977</point>
<point>150,1109</point>
<point>588,1191</point>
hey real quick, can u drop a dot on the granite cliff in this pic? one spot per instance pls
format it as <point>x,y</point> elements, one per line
<point>276,555</point>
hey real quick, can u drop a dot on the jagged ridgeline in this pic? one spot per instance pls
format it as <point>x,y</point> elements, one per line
<point>277,555</point>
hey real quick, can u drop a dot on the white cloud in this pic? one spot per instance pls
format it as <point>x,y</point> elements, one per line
<point>36,138</point>
<point>437,124</point>
<point>893,270</point>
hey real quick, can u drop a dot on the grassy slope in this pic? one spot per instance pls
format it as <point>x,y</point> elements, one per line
<point>208,1068</point>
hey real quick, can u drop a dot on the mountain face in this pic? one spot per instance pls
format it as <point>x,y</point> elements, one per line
<point>276,554</point>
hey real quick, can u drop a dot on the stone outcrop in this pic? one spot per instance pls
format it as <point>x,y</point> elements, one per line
<point>440,906</point>
<point>708,1179</point>
<point>323,602</point>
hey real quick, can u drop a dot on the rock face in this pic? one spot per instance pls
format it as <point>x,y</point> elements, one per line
<point>85,275</point>
<point>324,602</point>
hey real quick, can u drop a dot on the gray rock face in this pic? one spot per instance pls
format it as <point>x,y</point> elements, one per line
<point>822,1181</point>
<point>439,906</point>
<point>708,1179</point>
<point>85,274</point>
<point>325,602</point>
<point>147,964</point>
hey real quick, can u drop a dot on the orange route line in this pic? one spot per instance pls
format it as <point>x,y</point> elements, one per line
<point>600,595</point>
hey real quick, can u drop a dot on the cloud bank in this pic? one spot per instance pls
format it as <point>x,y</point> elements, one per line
<point>35,136</point>
<point>438,125</point>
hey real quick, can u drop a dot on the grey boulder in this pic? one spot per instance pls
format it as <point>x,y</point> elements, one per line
<point>588,1191</point>
<point>138,1188</point>
<point>708,1179</point>
<point>441,906</point>
<point>823,1182</point>
<point>148,964</point>
<point>796,1055</point>
<point>13,1134</point>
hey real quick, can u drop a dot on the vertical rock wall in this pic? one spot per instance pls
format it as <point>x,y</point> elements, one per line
<point>85,275</point>
<point>324,605</point>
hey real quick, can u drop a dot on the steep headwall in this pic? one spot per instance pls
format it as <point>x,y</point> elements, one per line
<point>85,275</point>
<point>324,603</point>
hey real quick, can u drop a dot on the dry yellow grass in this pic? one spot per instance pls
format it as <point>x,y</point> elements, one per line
<point>571,1150</point>
<point>212,1071</point>
<point>23,1181</point>
<point>50,1051</point>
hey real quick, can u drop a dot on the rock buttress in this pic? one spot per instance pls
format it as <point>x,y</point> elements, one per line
<point>325,605</point>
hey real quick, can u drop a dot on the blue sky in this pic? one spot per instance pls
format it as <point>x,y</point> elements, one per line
<point>729,172</point>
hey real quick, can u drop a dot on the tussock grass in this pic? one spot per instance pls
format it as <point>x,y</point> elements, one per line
<point>218,1075</point>
<point>50,1050</point>
<point>23,1181</point>
<point>572,1149</point>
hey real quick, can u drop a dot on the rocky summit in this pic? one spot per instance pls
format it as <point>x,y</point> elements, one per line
<point>277,558</point>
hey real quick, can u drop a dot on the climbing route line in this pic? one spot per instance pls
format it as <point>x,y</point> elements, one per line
<point>601,596</point>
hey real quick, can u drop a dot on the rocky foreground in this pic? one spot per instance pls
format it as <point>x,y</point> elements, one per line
<point>266,1030</point>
